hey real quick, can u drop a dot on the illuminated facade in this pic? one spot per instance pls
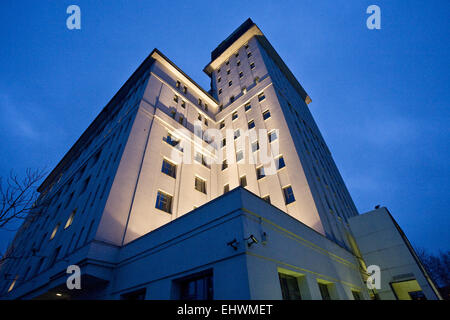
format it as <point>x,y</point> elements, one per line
<point>147,202</point>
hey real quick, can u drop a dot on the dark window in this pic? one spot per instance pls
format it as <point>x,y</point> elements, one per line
<point>169,168</point>
<point>266,199</point>
<point>220,91</point>
<point>261,97</point>
<point>222,124</point>
<point>164,202</point>
<point>184,89</point>
<point>252,65</point>
<point>54,257</point>
<point>134,295</point>
<point>197,288</point>
<point>238,63</point>
<point>241,74</point>
<point>281,163</point>
<point>289,287</point>
<point>251,124</point>
<point>243,181</point>
<point>415,295</point>
<point>324,291</point>
<point>356,295</point>
<point>224,164</point>
<point>260,173</point>
<point>175,98</point>
<point>230,83</point>
<point>200,185</point>
<point>248,106</point>
<point>183,104</point>
<point>234,116</point>
<point>171,140</point>
<point>266,115</point>
<point>249,55</point>
<point>288,195</point>
<point>231,99</point>
<point>224,142</point>
<point>226,188</point>
<point>219,79</point>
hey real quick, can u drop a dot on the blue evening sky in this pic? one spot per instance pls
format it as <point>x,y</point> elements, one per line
<point>380,97</point>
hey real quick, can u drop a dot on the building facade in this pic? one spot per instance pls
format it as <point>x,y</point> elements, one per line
<point>175,192</point>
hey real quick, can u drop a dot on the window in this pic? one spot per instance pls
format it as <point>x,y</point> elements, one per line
<point>356,295</point>
<point>266,114</point>
<point>178,84</point>
<point>239,155</point>
<point>238,63</point>
<point>252,65</point>
<point>200,185</point>
<point>164,202</point>
<point>243,181</point>
<point>181,120</point>
<point>273,136</point>
<point>249,55</point>
<point>169,139</point>
<point>241,74</point>
<point>324,291</point>
<point>134,295</point>
<point>54,257</point>
<point>256,80</point>
<point>220,108</point>
<point>261,96</point>
<point>237,134</point>
<point>220,91</point>
<point>54,231</point>
<point>231,99</point>
<point>251,124</point>
<point>199,117</point>
<point>289,287</point>
<point>184,89</point>
<point>226,188</point>
<point>197,288</point>
<point>206,122</point>
<point>280,163</point>
<point>260,173</point>
<point>175,98</point>
<point>246,46</point>
<point>247,107</point>
<point>230,83</point>
<point>236,54</point>
<point>224,142</point>
<point>199,101</point>
<point>234,116</point>
<point>288,195</point>
<point>206,107</point>
<point>70,219</point>
<point>183,104</point>
<point>244,90</point>
<point>224,164</point>
<point>85,184</point>
<point>222,124</point>
<point>169,168</point>
<point>173,113</point>
<point>219,79</point>
<point>201,159</point>
<point>255,146</point>
<point>218,70</point>
<point>266,199</point>
<point>228,62</point>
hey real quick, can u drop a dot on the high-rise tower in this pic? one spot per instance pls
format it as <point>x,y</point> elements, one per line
<point>144,178</point>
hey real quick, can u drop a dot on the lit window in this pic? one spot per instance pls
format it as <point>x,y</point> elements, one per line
<point>261,96</point>
<point>288,195</point>
<point>239,156</point>
<point>70,219</point>
<point>260,173</point>
<point>169,168</point>
<point>200,185</point>
<point>164,202</point>
<point>266,114</point>
<point>243,181</point>
<point>247,107</point>
<point>54,231</point>
<point>251,124</point>
<point>273,136</point>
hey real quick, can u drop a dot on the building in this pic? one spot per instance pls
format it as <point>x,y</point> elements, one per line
<point>175,192</point>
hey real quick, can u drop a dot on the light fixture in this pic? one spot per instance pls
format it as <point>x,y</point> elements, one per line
<point>251,240</point>
<point>59,294</point>
<point>233,243</point>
